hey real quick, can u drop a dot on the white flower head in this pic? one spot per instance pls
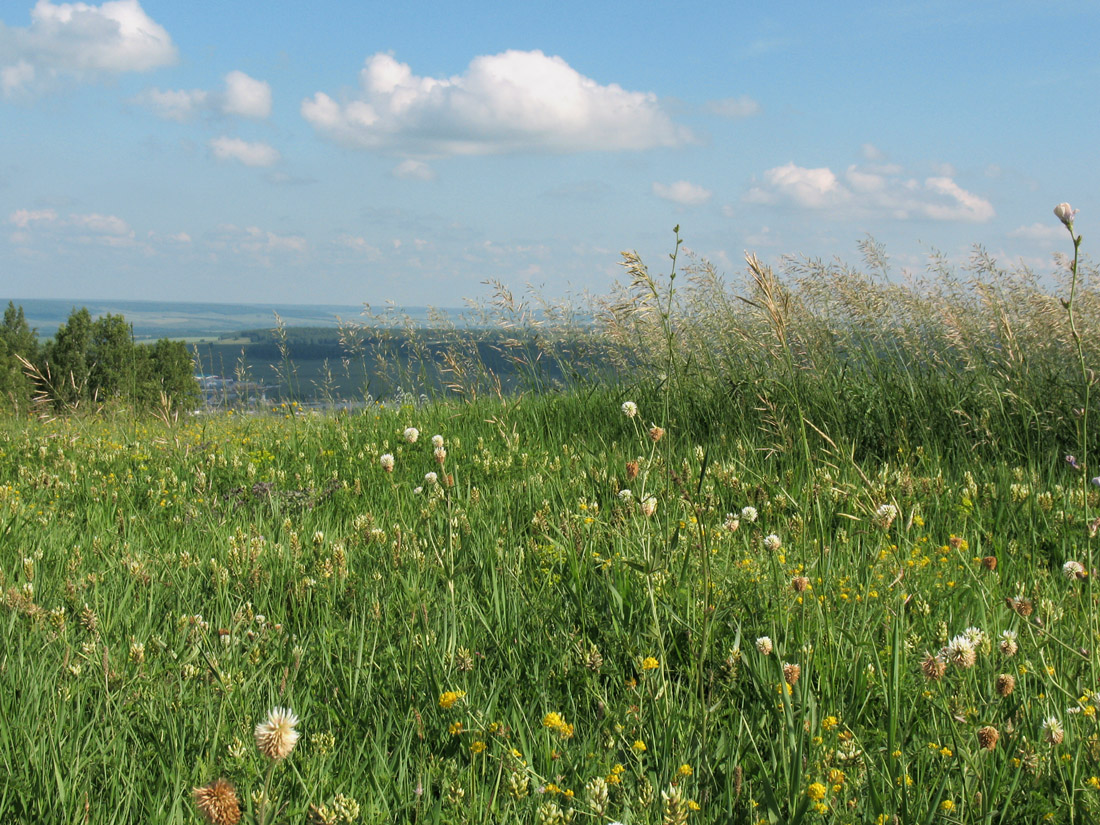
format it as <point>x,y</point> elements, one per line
<point>431,478</point>
<point>437,441</point>
<point>649,505</point>
<point>749,513</point>
<point>764,645</point>
<point>772,543</point>
<point>387,462</point>
<point>1065,213</point>
<point>1073,570</point>
<point>960,652</point>
<point>276,735</point>
<point>625,494</point>
<point>411,434</point>
<point>630,409</point>
<point>732,522</point>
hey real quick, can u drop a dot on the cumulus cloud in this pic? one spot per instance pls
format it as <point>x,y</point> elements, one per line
<point>246,96</point>
<point>734,107</point>
<point>515,101</point>
<point>243,96</point>
<point>415,169</point>
<point>250,153</point>
<point>882,190</point>
<point>82,41</point>
<point>682,192</point>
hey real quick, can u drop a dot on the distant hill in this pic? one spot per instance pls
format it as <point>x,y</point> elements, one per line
<point>170,319</point>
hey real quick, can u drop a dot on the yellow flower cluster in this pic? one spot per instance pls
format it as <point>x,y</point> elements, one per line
<point>447,699</point>
<point>554,721</point>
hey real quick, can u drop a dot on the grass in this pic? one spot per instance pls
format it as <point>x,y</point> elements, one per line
<point>807,581</point>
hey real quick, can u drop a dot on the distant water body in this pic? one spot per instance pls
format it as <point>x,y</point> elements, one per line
<point>164,319</point>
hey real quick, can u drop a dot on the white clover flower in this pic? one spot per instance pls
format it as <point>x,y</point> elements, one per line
<point>960,652</point>
<point>417,490</point>
<point>732,522</point>
<point>437,441</point>
<point>1008,644</point>
<point>764,645</point>
<point>1053,732</point>
<point>387,462</point>
<point>885,515</point>
<point>1073,570</point>
<point>276,736</point>
<point>974,635</point>
<point>440,454</point>
<point>649,505</point>
<point>749,513</point>
<point>630,409</point>
<point>772,543</point>
<point>431,478</point>
<point>625,494</point>
<point>411,434</point>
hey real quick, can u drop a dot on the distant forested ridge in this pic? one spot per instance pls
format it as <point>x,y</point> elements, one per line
<point>90,361</point>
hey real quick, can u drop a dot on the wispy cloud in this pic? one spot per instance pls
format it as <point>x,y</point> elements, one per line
<point>84,228</point>
<point>80,41</point>
<point>1047,232</point>
<point>734,107</point>
<point>415,169</point>
<point>511,102</point>
<point>254,241</point>
<point>243,96</point>
<point>882,190</point>
<point>250,153</point>
<point>682,192</point>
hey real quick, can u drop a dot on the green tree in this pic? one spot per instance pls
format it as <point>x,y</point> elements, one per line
<point>17,339</point>
<point>172,372</point>
<point>111,358</point>
<point>67,359</point>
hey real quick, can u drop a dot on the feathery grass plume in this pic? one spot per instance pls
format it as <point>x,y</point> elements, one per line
<point>218,802</point>
<point>276,736</point>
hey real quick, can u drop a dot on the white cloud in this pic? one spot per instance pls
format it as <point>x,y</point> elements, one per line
<point>415,169</point>
<point>105,224</point>
<point>878,189</point>
<point>256,241</point>
<point>360,245</point>
<point>682,192</point>
<point>1039,231</point>
<point>734,107</point>
<point>254,153</point>
<point>246,96</point>
<point>23,218</point>
<point>82,41</point>
<point>872,153</point>
<point>177,104</point>
<point>809,188</point>
<point>510,102</point>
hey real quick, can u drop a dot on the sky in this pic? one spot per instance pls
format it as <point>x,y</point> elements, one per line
<point>349,153</point>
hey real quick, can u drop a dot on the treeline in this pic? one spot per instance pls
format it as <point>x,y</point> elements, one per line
<point>90,361</point>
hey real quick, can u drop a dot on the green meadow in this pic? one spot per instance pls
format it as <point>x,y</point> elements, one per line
<point>806,545</point>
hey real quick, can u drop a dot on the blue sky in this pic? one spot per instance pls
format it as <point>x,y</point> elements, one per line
<point>348,153</point>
